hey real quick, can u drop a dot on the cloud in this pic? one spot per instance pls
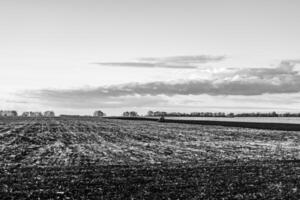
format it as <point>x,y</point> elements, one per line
<point>245,82</point>
<point>85,102</point>
<point>186,59</point>
<point>179,62</point>
<point>17,102</point>
<point>147,65</point>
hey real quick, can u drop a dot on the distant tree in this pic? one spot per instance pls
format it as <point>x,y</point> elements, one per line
<point>32,114</point>
<point>230,115</point>
<point>99,113</point>
<point>209,114</point>
<point>274,114</point>
<point>195,114</point>
<point>126,114</point>
<point>160,113</point>
<point>49,114</point>
<point>14,113</point>
<point>25,114</point>
<point>157,113</point>
<point>133,114</point>
<point>150,113</point>
<point>8,113</point>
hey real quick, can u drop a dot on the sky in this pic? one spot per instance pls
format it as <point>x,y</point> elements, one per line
<point>77,56</point>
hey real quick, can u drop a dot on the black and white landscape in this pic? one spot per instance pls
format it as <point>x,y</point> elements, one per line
<point>149,99</point>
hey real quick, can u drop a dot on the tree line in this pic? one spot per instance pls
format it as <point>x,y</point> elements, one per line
<point>221,114</point>
<point>13,113</point>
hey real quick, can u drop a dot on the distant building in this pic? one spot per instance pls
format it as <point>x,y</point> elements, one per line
<point>49,114</point>
<point>99,113</point>
<point>8,113</point>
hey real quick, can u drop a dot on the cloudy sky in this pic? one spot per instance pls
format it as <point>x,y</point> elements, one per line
<point>75,56</point>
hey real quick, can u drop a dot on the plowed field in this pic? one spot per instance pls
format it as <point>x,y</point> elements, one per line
<point>90,158</point>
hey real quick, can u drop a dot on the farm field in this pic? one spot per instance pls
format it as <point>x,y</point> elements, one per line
<point>94,158</point>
